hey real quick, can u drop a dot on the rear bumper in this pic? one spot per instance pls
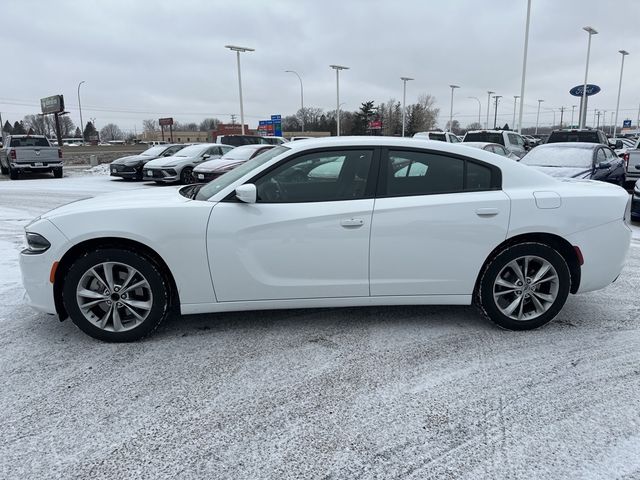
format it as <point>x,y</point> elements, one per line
<point>34,167</point>
<point>604,249</point>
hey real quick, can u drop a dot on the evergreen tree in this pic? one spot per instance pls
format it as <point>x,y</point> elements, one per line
<point>18,128</point>
<point>7,128</point>
<point>89,131</point>
<point>78,133</point>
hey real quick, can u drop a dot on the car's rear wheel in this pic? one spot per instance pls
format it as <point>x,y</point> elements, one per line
<point>186,176</point>
<point>115,295</point>
<point>57,172</point>
<point>524,286</point>
<point>3,170</point>
<point>13,174</point>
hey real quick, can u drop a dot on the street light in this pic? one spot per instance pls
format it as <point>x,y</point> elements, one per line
<point>573,108</point>
<point>515,101</point>
<point>495,117</point>
<point>538,115</point>
<point>301,96</point>
<point>624,53</point>
<point>404,99</point>
<point>479,109</point>
<point>80,108</point>
<point>489,93</point>
<point>337,68</point>
<point>238,50</point>
<point>453,87</point>
<point>524,66</point>
<point>583,106</point>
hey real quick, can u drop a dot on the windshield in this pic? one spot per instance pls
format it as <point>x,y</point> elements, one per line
<point>240,153</point>
<point>489,137</point>
<point>154,151</point>
<point>191,151</point>
<point>29,142</point>
<point>228,178</point>
<point>559,157</point>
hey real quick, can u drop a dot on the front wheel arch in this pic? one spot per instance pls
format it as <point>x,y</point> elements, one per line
<point>563,247</point>
<point>110,242</point>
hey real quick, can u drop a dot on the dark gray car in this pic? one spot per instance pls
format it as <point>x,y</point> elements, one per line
<point>131,167</point>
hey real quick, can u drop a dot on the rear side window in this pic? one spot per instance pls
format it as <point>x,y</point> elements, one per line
<point>588,137</point>
<point>440,137</point>
<point>489,137</point>
<point>29,142</point>
<point>422,173</point>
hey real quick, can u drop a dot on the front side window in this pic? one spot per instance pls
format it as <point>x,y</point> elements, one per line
<point>601,157</point>
<point>317,177</point>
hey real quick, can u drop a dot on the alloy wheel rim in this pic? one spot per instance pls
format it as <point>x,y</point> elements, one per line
<point>526,288</point>
<point>114,297</point>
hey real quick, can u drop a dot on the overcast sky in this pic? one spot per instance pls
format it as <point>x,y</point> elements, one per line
<point>147,59</point>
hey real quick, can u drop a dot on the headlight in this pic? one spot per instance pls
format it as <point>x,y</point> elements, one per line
<point>36,243</point>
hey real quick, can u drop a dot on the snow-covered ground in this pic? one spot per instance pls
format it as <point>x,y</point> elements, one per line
<point>412,392</point>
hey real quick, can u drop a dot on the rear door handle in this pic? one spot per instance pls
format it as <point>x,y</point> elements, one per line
<point>487,212</point>
<point>352,222</point>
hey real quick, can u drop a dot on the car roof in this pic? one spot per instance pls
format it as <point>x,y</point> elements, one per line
<point>490,131</point>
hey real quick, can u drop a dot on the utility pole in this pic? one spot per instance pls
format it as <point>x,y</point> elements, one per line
<point>538,114</point>
<point>515,101</point>
<point>489,93</point>
<point>495,113</point>
<point>561,116</point>
<point>233,119</point>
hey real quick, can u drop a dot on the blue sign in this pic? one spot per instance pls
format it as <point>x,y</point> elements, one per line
<point>277,118</point>
<point>626,124</point>
<point>591,90</point>
<point>277,125</point>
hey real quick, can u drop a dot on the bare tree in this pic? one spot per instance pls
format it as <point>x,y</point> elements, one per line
<point>208,124</point>
<point>37,123</point>
<point>67,127</point>
<point>111,131</point>
<point>150,125</point>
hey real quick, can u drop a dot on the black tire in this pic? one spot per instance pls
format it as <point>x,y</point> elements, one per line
<point>186,176</point>
<point>147,267</point>
<point>485,294</point>
<point>3,170</point>
<point>57,172</point>
<point>13,174</point>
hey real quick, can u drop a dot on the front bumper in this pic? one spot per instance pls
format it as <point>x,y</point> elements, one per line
<point>126,171</point>
<point>205,176</point>
<point>166,175</point>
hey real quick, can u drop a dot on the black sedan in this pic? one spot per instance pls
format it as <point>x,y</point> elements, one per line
<point>635,203</point>
<point>591,161</point>
<point>131,167</point>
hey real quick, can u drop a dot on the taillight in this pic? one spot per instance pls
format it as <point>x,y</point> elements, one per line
<point>59,153</point>
<point>12,154</point>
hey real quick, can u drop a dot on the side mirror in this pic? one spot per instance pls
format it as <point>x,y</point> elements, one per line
<point>603,165</point>
<point>206,155</point>
<point>167,154</point>
<point>247,193</point>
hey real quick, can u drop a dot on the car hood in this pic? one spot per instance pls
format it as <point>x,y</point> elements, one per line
<point>169,161</point>
<point>132,159</point>
<point>140,198</point>
<point>217,164</point>
<point>566,172</point>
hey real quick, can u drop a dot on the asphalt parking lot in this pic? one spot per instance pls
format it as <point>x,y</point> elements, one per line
<point>397,392</point>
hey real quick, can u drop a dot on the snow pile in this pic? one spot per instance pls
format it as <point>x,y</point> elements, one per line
<point>102,169</point>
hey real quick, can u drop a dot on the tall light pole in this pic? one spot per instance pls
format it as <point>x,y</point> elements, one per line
<point>80,108</point>
<point>515,101</point>
<point>524,66</point>
<point>583,106</point>
<point>489,93</point>
<point>612,130</point>
<point>538,115</point>
<point>301,96</point>
<point>337,68</point>
<point>453,87</point>
<point>479,109</point>
<point>495,112</point>
<point>573,108</point>
<point>404,99</point>
<point>624,53</point>
<point>239,50</point>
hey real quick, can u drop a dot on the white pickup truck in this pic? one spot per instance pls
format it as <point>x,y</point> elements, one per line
<point>29,153</point>
<point>633,163</point>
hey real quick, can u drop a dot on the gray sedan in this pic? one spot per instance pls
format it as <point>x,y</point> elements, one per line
<point>179,167</point>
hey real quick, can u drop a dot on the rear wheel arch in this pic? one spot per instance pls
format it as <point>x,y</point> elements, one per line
<point>110,242</point>
<point>562,246</point>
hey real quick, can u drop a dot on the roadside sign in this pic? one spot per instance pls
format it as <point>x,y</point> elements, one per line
<point>591,90</point>
<point>626,124</point>
<point>53,104</point>
<point>165,122</point>
<point>276,120</point>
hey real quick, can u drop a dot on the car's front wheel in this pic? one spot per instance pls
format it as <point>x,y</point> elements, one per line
<point>186,177</point>
<point>115,295</point>
<point>524,286</point>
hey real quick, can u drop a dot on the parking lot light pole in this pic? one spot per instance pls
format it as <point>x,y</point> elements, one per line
<point>583,110</point>
<point>624,53</point>
<point>80,108</point>
<point>239,50</point>
<point>301,96</point>
<point>495,112</point>
<point>489,93</point>
<point>573,108</point>
<point>515,102</point>
<point>404,100</point>
<point>479,109</point>
<point>524,67</point>
<point>337,68</point>
<point>538,115</point>
<point>453,87</point>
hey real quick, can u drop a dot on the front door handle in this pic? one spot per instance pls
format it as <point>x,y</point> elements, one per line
<point>487,212</point>
<point>352,222</point>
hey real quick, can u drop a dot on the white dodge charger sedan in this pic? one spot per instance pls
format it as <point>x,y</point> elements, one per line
<point>331,223</point>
